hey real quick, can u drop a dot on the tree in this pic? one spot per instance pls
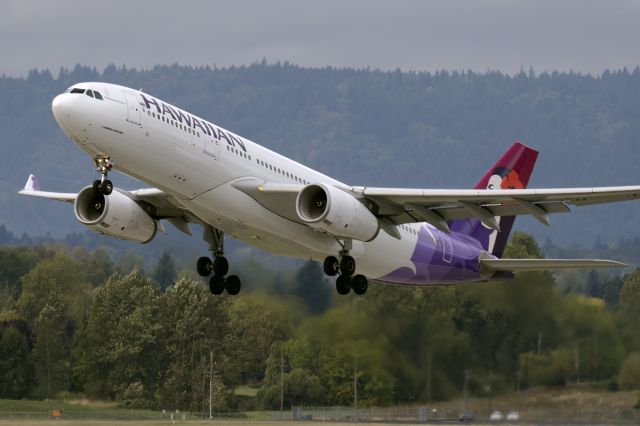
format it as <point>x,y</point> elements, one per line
<point>629,311</point>
<point>57,281</point>
<point>258,323</point>
<point>194,325</point>
<point>611,290</point>
<point>16,367</point>
<point>120,342</point>
<point>594,287</point>
<point>54,301</point>
<point>629,377</point>
<point>312,287</point>
<point>51,353</point>
<point>164,273</point>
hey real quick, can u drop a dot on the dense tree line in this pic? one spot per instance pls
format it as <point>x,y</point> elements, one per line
<point>74,321</point>
<point>441,129</point>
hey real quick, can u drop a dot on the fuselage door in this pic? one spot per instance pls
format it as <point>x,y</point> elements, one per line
<point>211,146</point>
<point>133,107</point>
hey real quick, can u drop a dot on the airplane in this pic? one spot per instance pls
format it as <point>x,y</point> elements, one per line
<point>203,174</point>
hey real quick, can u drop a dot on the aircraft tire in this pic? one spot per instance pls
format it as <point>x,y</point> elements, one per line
<point>96,187</point>
<point>343,285</point>
<point>106,187</point>
<point>233,285</point>
<point>204,266</point>
<point>359,284</point>
<point>216,284</point>
<point>347,265</point>
<point>220,266</point>
<point>331,266</point>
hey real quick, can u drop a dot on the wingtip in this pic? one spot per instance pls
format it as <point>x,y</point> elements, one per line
<point>32,184</point>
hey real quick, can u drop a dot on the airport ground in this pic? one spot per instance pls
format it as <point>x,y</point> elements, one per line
<point>571,405</point>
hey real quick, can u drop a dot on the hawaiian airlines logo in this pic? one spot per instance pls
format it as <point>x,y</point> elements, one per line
<point>191,121</point>
<point>503,178</point>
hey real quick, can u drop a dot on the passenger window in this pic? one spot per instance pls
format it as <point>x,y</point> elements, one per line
<point>97,95</point>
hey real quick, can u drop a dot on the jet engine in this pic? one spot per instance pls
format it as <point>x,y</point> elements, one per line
<point>329,209</point>
<point>115,215</point>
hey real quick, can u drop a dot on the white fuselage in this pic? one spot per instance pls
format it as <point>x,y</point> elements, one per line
<point>198,163</point>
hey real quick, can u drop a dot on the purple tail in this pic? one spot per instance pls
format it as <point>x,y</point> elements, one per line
<point>511,171</point>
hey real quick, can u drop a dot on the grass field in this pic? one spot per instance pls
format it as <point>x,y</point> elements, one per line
<point>572,405</point>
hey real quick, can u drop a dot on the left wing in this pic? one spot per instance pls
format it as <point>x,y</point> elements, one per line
<point>437,206</point>
<point>521,265</point>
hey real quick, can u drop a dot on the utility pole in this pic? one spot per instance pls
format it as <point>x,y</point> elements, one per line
<point>355,393</point>
<point>210,385</point>
<point>429,374</point>
<point>467,375</point>
<point>281,384</point>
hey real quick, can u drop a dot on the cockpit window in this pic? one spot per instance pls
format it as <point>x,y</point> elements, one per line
<point>90,93</point>
<point>97,95</point>
<point>76,90</point>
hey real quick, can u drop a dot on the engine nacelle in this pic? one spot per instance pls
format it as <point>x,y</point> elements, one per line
<point>329,209</point>
<point>114,215</point>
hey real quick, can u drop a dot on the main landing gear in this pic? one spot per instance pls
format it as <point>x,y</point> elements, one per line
<point>346,267</point>
<point>217,268</point>
<point>103,165</point>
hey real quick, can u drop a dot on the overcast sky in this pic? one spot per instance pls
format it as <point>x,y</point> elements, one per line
<point>581,35</point>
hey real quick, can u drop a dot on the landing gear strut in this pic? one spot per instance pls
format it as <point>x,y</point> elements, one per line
<point>346,267</point>
<point>103,165</point>
<point>219,267</point>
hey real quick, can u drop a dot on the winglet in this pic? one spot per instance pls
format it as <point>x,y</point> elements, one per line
<point>32,184</point>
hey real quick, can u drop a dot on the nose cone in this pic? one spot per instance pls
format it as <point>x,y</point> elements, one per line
<point>60,108</point>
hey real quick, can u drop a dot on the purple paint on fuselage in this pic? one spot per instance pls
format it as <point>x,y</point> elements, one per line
<point>451,259</point>
<point>454,258</point>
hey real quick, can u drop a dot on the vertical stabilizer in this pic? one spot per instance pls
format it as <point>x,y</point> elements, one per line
<point>511,171</point>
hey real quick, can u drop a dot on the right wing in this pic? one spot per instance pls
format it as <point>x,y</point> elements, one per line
<point>32,187</point>
<point>159,205</point>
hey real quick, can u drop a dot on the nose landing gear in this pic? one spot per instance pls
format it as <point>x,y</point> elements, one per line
<point>219,267</point>
<point>103,165</point>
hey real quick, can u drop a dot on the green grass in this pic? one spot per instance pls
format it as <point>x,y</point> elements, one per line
<point>74,409</point>
<point>575,404</point>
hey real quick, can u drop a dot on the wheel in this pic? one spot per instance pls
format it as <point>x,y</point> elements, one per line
<point>204,266</point>
<point>359,284</point>
<point>216,284</point>
<point>220,266</point>
<point>347,265</point>
<point>96,187</point>
<point>233,285</point>
<point>106,187</point>
<point>331,266</point>
<point>343,285</point>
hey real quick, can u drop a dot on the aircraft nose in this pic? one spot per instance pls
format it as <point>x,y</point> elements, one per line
<point>60,108</point>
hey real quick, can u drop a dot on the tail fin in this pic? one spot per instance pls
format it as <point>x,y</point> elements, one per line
<point>511,171</point>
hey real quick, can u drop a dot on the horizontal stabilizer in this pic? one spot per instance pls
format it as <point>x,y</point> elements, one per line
<point>519,265</point>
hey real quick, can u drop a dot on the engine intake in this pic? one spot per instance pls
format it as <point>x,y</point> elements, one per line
<point>115,215</point>
<point>329,209</point>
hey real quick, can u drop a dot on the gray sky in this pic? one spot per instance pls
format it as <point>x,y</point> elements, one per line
<point>582,35</point>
